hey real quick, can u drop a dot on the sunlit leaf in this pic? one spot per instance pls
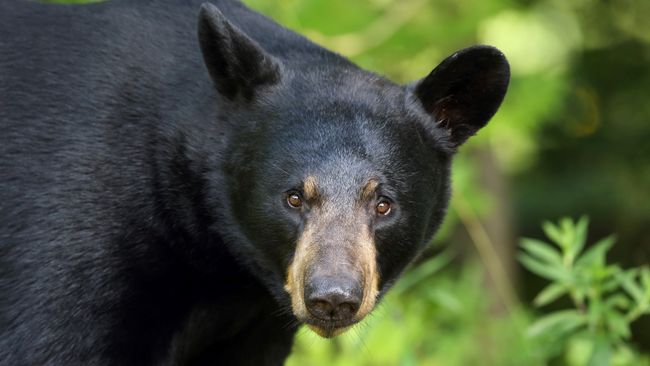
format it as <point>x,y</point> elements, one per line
<point>629,283</point>
<point>617,301</point>
<point>578,350</point>
<point>544,270</point>
<point>580,236</point>
<point>618,325</point>
<point>595,312</point>
<point>446,299</point>
<point>613,282</point>
<point>596,254</point>
<point>553,232</point>
<point>559,322</point>
<point>542,251</point>
<point>601,353</point>
<point>549,294</point>
<point>645,281</point>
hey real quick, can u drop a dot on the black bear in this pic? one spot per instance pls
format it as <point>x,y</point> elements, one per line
<point>174,199</point>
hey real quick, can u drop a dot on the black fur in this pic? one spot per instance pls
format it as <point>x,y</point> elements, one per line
<point>141,212</point>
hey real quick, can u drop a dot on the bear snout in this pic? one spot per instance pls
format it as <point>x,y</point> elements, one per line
<point>333,298</point>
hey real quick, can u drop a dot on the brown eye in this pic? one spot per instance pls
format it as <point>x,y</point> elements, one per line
<point>383,208</point>
<point>294,200</point>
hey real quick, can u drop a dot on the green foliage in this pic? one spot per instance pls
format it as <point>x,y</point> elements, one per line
<point>606,298</point>
<point>435,315</point>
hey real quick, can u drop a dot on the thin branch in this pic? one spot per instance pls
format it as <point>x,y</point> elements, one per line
<point>486,251</point>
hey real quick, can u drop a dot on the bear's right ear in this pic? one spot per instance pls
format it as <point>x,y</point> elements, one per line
<point>236,63</point>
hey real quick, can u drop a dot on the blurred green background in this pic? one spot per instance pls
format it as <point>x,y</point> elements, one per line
<point>572,138</point>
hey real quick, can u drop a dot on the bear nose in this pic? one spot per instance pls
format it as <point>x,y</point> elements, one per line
<point>333,298</point>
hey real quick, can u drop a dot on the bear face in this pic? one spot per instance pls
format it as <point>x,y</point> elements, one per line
<point>336,177</point>
<point>343,190</point>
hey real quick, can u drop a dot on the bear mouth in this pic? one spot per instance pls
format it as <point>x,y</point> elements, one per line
<point>328,329</point>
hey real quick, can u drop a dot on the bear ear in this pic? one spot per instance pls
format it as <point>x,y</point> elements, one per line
<point>236,63</point>
<point>465,90</point>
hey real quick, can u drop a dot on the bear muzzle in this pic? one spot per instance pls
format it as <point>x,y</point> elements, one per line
<point>333,286</point>
<point>333,298</point>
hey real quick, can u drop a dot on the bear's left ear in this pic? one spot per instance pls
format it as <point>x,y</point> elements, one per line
<point>465,90</point>
<point>237,64</point>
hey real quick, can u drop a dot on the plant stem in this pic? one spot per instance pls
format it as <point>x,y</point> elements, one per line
<point>487,253</point>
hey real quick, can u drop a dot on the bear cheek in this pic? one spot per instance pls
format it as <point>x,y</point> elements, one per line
<point>395,250</point>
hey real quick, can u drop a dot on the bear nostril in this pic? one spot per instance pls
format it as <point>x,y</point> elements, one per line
<point>348,309</point>
<point>333,307</point>
<point>320,308</point>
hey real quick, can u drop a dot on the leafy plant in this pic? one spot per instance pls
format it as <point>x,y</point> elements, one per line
<point>606,298</point>
<point>437,314</point>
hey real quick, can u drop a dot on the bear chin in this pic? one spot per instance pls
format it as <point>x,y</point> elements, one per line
<point>328,332</point>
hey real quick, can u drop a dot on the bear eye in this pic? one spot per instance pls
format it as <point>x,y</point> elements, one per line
<point>294,200</point>
<point>383,207</point>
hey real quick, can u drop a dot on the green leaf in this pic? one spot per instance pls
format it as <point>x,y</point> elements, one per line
<point>617,301</point>
<point>580,236</point>
<point>596,254</point>
<point>557,323</point>
<point>550,293</point>
<point>612,282</point>
<point>618,326</point>
<point>629,283</point>
<point>645,276</point>
<point>595,313</point>
<point>601,354</point>
<point>597,275</point>
<point>553,232</point>
<point>446,299</point>
<point>542,251</point>
<point>566,226</point>
<point>544,270</point>
<point>645,281</point>
<point>578,350</point>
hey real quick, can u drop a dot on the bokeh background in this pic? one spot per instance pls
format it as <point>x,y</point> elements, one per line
<point>572,138</point>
